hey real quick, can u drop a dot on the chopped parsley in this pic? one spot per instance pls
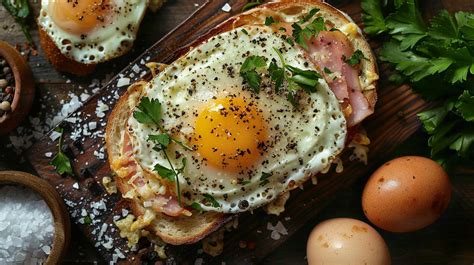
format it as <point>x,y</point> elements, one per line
<point>245,31</point>
<point>249,73</point>
<point>437,57</point>
<point>310,15</point>
<point>87,220</point>
<point>327,71</point>
<point>197,206</point>
<point>61,162</point>
<point>269,20</point>
<point>211,200</point>
<point>149,112</point>
<point>355,58</point>
<point>303,34</point>
<point>251,5</point>
<point>264,178</point>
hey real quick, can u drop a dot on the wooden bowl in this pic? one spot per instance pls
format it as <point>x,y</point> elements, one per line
<point>24,88</point>
<point>62,225</point>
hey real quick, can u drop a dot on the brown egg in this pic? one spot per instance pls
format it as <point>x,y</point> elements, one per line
<point>344,241</point>
<point>406,194</point>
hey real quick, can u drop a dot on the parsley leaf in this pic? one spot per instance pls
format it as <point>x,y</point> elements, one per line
<point>373,17</point>
<point>251,5</point>
<point>162,139</point>
<point>276,74</point>
<point>149,111</point>
<point>465,106</point>
<point>249,73</point>
<point>310,15</point>
<point>211,200</point>
<point>355,58</point>
<point>269,20</point>
<point>197,206</point>
<point>165,172</point>
<point>264,178</point>
<point>61,162</point>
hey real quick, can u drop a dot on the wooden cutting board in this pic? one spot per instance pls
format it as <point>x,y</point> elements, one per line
<point>394,121</point>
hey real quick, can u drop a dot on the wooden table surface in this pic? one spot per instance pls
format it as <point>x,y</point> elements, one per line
<point>449,241</point>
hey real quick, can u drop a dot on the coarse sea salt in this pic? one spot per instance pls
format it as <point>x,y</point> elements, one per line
<point>28,241</point>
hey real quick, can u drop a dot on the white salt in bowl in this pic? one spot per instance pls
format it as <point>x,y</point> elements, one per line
<point>61,221</point>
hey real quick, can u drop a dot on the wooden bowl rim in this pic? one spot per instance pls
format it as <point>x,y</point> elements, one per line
<point>62,225</point>
<point>24,83</point>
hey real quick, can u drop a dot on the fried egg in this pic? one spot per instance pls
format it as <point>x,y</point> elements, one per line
<point>92,31</point>
<point>248,147</point>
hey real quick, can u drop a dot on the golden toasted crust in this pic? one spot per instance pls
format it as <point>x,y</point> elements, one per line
<point>58,60</point>
<point>172,230</point>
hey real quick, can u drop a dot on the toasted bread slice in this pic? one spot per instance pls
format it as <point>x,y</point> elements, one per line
<point>184,230</point>
<point>59,61</point>
<point>172,230</point>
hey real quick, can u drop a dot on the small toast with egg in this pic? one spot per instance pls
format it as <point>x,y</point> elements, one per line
<point>78,35</point>
<point>255,108</point>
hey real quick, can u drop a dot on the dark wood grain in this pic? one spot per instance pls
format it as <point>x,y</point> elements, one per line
<point>393,123</point>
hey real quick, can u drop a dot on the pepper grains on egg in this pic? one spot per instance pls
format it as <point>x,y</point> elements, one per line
<point>7,88</point>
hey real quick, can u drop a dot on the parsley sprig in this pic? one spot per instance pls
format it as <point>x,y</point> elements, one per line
<point>437,57</point>
<point>296,78</point>
<point>20,10</point>
<point>61,162</point>
<point>149,112</point>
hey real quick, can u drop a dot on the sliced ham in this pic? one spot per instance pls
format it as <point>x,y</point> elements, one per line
<point>327,50</point>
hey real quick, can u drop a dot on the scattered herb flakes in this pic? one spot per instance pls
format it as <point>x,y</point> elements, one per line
<point>355,58</point>
<point>277,74</point>
<point>211,200</point>
<point>245,182</point>
<point>87,220</point>
<point>165,172</point>
<point>327,71</point>
<point>249,73</point>
<point>61,162</point>
<point>245,31</point>
<point>310,15</point>
<point>269,20</point>
<point>264,178</point>
<point>197,206</point>
<point>251,5</point>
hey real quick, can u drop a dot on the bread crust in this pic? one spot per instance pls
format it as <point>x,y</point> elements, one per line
<point>172,230</point>
<point>59,61</point>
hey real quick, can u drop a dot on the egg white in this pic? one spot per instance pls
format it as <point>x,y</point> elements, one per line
<point>316,131</point>
<point>112,39</point>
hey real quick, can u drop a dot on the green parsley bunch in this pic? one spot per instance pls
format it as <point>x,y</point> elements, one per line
<point>437,57</point>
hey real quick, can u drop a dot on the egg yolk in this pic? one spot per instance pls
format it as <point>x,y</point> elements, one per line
<point>79,16</point>
<point>230,134</point>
